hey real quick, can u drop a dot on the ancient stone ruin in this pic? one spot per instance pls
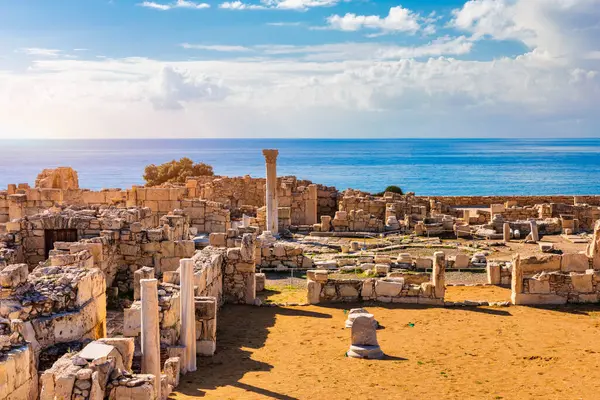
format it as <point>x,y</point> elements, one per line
<point>165,259</point>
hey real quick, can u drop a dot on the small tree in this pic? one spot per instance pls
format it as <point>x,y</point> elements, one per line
<point>175,171</point>
<point>392,189</point>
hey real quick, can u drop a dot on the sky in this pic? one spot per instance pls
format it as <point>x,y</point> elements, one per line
<point>299,68</point>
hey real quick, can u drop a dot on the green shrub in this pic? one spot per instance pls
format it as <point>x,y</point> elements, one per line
<point>392,189</point>
<point>175,171</point>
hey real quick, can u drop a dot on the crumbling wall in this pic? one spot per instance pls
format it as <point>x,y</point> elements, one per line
<point>486,201</point>
<point>281,257</point>
<point>554,279</point>
<point>57,304</point>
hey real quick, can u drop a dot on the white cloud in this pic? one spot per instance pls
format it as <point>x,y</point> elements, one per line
<point>399,19</point>
<point>220,48</point>
<point>284,23</point>
<point>331,89</point>
<point>238,5</point>
<point>348,51</point>
<point>300,5</point>
<point>174,88</point>
<point>176,4</point>
<point>565,28</point>
<point>40,52</point>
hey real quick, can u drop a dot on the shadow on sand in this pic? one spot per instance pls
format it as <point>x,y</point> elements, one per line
<point>240,328</point>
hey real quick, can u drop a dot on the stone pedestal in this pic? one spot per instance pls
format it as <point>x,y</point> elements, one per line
<point>188,317</point>
<point>506,232</point>
<point>364,339</point>
<point>150,342</point>
<point>358,312</point>
<point>271,192</point>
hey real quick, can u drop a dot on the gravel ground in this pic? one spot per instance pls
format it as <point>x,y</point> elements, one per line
<point>284,279</point>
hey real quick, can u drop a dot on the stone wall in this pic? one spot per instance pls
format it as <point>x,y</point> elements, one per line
<point>57,304</point>
<point>281,257</point>
<point>208,282</point>
<point>120,240</point>
<point>206,216</point>
<point>486,201</point>
<point>323,289</point>
<point>554,279</point>
<point>18,374</point>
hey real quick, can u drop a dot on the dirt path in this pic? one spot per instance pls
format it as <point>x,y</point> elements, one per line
<point>465,353</point>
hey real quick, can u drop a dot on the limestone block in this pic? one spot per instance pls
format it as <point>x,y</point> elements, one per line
<point>537,299</point>
<point>91,286</point>
<point>156,194</point>
<point>313,293</point>
<point>574,262</point>
<point>461,261</point>
<point>347,290</point>
<point>382,269</point>
<point>424,263</point>
<point>143,392</point>
<point>582,283</point>
<point>368,288</point>
<point>539,286</point>
<point>14,275</point>
<point>171,370</point>
<point>540,263</point>
<point>125,347</point>
<point>169,264</point>
<point>217,239</point>
<point>383,259</point>
<point>493,274</point>
<point>132,320</point>
<point>389,289</point>
<point>260,282</point>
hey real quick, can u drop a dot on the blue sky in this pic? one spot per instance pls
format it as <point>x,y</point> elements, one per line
<point>299,68</point>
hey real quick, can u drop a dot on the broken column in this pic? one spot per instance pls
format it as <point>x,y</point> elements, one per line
<point>506,232</point>
<point>150,331</point>
<point>534,235</point>
<point>593,249</point>
<point>188,311</point>
<point>364,339</point>
<point>438,273</point>
<point>271,195</point>
<point>142,273</point>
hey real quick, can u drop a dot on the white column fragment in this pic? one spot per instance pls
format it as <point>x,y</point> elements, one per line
<point>271,195</point>
<point>188,317</point>
<point>150,331</point>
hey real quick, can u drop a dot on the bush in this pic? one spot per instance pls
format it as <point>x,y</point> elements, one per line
<point>175,171</point>
<point>392,189</point>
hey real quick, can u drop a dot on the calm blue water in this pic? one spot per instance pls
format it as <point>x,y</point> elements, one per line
<point>427,167</point>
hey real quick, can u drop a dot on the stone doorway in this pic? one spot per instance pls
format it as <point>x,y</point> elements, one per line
<point>57,235</point>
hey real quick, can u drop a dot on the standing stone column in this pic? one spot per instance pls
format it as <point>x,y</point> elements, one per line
<point>506,232</point>
<point>312,204</point>
<point>438,274</point>
<point>271,200</point>
<point>516,280</point>
<point>188,313</point>
<point>593,249</point>
<point>150,331</point>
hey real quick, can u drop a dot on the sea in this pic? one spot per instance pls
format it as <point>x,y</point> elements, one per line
<point>424,166</point>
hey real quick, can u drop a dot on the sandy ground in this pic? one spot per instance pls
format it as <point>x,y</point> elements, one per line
<point>450,353</point>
